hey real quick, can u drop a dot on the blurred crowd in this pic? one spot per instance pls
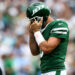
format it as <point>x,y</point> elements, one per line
<point>15,55</point>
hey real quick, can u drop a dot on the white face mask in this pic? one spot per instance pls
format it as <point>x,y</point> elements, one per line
<point>37,18</point>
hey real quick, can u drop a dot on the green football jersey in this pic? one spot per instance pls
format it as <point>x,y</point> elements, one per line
<point>54,60</point>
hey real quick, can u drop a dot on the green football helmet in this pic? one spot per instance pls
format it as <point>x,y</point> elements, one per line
<point>39,9</point>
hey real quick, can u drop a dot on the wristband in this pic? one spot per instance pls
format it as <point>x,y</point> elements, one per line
<point>39,38</point>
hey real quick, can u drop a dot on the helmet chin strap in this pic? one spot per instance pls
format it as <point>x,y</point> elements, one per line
<point>44,21</point>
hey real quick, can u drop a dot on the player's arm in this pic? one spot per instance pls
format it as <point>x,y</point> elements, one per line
<point>33,45</point>
<point>46,46</point>
<point>50,45</point>
<point>58,33</point>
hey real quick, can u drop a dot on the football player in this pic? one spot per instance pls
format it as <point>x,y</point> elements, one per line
<point>49,38</point>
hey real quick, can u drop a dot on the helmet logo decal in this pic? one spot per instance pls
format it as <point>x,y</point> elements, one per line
<point>37,9</point>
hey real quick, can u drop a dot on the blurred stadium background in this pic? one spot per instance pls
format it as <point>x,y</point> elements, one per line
<point>15,55</point>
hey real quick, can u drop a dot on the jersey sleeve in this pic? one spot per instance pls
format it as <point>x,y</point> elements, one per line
<point>59,30</point>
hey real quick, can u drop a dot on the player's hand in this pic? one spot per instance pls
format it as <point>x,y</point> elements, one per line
<point>35,26</point>
<point>29,28</point>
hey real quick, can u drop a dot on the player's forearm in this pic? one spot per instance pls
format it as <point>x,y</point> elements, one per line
<point>33,45</point>
<point>42,43</point>
<point>46,46</point>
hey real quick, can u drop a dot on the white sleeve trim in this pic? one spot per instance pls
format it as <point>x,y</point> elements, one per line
<point>57,29</point>
<point>60,32</point>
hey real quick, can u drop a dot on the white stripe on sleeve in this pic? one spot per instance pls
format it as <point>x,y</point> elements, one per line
<point>57,29</point>
<point>60,32</point>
